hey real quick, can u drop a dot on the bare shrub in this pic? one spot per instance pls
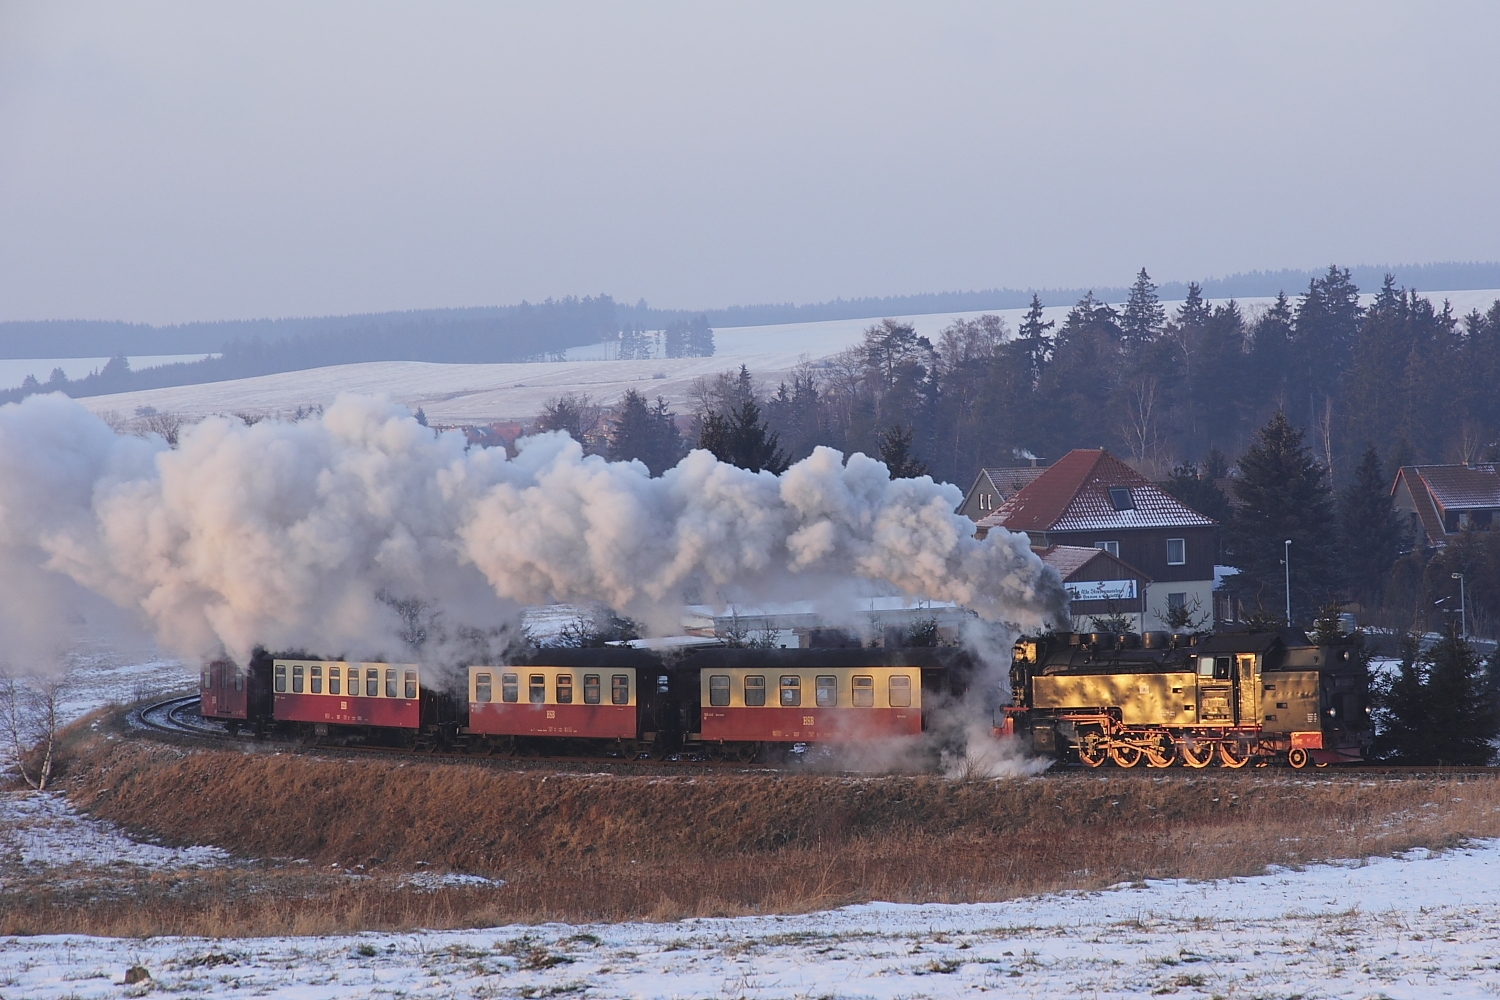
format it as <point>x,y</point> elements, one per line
<point>29,724</point>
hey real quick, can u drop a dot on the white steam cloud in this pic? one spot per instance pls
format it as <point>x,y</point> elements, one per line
<point>287,534</point>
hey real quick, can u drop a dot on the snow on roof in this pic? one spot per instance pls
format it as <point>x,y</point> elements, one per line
<point>1461,487</point>
<point>1074,494</point>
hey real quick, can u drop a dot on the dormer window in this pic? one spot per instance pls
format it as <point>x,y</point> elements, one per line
<point>1120,498</point>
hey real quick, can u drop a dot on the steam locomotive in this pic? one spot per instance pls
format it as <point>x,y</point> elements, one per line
<point>716,703</point>
<point>1159,698</point>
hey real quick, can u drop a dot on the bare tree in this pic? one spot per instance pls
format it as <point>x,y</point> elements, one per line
<point>29,723</point>
<point>152,421</point>
<point>1324,427</point>
<point>1140,429</point>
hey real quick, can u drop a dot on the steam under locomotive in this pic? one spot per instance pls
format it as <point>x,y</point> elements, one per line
<point>1165,699</point>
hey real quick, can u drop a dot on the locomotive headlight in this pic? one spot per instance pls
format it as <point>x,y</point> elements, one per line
<point>1332,712</point>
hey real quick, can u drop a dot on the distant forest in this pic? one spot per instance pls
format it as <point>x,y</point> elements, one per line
<point>513,333</point>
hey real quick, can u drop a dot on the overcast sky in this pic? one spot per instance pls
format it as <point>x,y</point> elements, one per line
<point>166,162</point>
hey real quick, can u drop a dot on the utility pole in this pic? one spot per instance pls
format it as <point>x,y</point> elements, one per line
<point>1463,614</point>
<point>1286,560</point>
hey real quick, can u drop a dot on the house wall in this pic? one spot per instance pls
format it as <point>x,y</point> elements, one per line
<point>1146,550</point>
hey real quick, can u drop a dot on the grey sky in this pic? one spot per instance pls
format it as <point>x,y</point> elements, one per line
<point>164,162</point>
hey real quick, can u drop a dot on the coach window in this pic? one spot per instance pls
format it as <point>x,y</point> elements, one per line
<point>390,682</point>
<point>591,689</point>
<point>281,677</point>
<point>791,690</point>
<point>372,682</point>
<point>482,687</point>
<point>864,692</point>
<point>565,689</point>
<point>718,690</point>
<point>828,691</point>
<point>510,688</point>
<point>755,691</point>
<point>207,679</point>
<point>411,683</point>
<point>1176,551</point>
<point>239,679</point>
<point>538,692</point>
<point>333,680</point>
<point>317,678</point>
<point>900,691</point>
<point>619,689</point>
<point>297,671</point>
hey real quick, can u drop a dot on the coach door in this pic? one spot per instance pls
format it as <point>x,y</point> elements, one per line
<point>1216,691</point>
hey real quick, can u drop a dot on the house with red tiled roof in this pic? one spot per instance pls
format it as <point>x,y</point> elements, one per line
<point>1091,499</point>
<point>1443,500</point>
<point>992,487</point>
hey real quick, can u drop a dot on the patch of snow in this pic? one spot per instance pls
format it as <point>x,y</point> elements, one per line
<point>431,881</point>
<point>40,829</point>
<point>1411,927</point>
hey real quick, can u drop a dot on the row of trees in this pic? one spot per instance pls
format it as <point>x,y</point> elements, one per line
<point>1404,376</point>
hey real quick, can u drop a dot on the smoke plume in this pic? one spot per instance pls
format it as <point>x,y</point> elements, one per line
<point>299,534</point>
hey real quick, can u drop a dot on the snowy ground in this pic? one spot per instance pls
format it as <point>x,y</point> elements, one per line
<point>1419,926</point>
<point>43,831</point>
<point>473,394</point>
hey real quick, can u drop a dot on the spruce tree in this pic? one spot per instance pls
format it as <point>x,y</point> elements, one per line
<point>895,452</point>
<point>1400,703</point>
<point>1462,716</point>
<point>1283,496</point>
<point>640,430</point>
<point>1034,342</point>
<point>1143,316</point>
<point>1371,533</point>
<point>740,438</point>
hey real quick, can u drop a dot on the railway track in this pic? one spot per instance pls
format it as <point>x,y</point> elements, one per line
<point>179,717</point>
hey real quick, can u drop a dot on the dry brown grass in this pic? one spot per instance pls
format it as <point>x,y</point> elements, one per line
<point>601,847</point>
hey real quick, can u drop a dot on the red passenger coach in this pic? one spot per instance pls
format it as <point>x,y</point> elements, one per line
<point>222,692</point>
<point>810,705</point>
<point>388,695</point>
<point>584,702</point>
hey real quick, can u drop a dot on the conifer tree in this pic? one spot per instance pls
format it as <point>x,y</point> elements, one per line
<point>1143,316</point>
<point>1400,703</point>
<point>640,430</point>
<point>1371,534</point>
<point>1033,340</point>
<point>895,452</point>
<point>1283,496</point>
<point>1461,716</point>
<point>740,438</point>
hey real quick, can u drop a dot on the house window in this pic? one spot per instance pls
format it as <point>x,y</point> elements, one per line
<point>1176,551</point>
<point>1176,601</point>
<point>1120,498</point>
<point>1113,548</point>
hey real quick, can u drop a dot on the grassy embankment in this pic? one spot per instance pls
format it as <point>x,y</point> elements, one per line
<point>606,847</point>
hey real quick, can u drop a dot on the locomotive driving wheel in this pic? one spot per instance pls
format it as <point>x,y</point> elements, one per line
<point>1091,750</point>
<point>1197,753</point>
<point>1125,754</point>
<point>1233,754</point>
<point>1298,757</point>
<point>1162,752</point>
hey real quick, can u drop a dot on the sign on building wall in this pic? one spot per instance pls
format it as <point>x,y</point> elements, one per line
<point>1101,590</point>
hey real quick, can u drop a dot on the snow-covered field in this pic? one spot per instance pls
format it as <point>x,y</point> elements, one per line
<point>473,394</point>
<point>1418,926</point>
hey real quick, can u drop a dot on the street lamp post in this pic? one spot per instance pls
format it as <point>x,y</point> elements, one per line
<point>1286,560</point>
<point>1463,614</point>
